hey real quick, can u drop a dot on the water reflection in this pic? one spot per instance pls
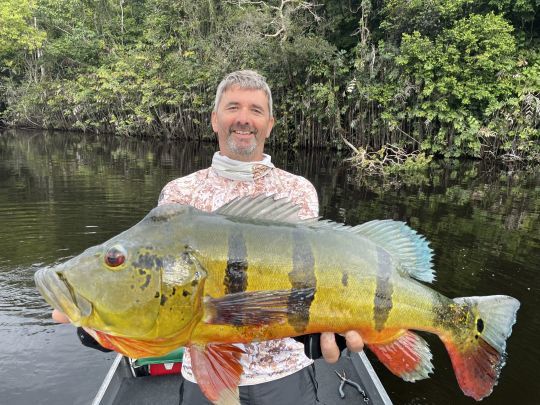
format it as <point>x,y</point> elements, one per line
<point>63,192</point>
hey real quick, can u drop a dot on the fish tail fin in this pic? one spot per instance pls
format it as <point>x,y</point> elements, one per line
<point>476,340</point>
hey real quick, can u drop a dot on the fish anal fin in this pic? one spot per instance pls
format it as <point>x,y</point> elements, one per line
<point>256,307</point>
<point>218,370</point>
<point>407,355</point>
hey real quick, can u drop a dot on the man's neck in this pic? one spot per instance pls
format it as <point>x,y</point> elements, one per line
<point>240,170</point>
<point>243,158</point>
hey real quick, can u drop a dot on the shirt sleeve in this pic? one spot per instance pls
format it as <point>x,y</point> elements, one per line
<point>178,191</point>
<point>305,195</point>
<point>166,196</point>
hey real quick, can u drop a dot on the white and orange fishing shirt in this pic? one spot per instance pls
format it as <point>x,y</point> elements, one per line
<point>207,191</point>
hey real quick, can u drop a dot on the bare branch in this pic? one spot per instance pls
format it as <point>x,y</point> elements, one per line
<point>276,34</point>
<point>281,13</point>
<point>350,145</point>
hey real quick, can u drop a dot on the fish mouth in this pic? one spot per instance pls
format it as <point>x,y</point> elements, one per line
<point>59,294</point>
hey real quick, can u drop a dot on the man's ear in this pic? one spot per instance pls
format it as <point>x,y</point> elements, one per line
<point>213,119</point>
<point>270,126</point>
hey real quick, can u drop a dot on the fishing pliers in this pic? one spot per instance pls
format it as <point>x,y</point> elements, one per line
<point>345,380</point>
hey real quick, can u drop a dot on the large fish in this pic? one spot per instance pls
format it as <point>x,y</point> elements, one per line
<point>253,271</point>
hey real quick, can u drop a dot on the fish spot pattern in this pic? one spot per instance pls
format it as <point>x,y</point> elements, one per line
<point>147,262</point>
<point>302,276</point>
<point>382,304</point>
<point>345,279</point>
<point>480,325</point>
<point>453,317</point>
<point>146,282</point>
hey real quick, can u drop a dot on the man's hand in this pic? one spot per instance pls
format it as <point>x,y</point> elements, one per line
<point>59,317</point>
<point>330,349</point>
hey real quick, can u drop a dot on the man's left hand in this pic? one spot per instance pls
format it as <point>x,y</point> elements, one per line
<point>330,349</point>
<point>59,317</point>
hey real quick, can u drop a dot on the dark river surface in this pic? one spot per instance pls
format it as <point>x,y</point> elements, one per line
<point>63,192</point>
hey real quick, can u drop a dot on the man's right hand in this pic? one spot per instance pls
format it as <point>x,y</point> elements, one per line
<point>85,337</point>
<point>331,351</point>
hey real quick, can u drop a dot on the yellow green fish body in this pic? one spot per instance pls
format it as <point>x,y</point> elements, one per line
<point>253,271</point>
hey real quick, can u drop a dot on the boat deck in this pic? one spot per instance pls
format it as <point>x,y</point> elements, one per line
<point>121,387</point>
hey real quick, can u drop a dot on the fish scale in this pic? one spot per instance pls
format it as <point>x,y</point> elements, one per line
<point>268,272</point>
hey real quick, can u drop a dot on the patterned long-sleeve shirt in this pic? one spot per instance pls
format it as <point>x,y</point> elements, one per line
<point>207,191</point>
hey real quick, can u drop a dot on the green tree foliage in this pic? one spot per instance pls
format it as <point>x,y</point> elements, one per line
<point>442,78</point>
<point>18,33</point>
<point>428,18</point>
<point>463,76</point>
<point>445,77</point>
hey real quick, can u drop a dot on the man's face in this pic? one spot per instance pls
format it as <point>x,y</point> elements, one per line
<point>242,122</point>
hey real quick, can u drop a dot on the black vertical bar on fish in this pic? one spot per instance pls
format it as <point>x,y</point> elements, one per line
<point>302,276</point>
<point>236,277</point>
<point>382,304</point>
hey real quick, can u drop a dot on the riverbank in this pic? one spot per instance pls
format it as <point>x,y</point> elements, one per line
<point>362,72</point>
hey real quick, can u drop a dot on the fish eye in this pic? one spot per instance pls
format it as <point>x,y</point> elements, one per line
<point>115,256</point>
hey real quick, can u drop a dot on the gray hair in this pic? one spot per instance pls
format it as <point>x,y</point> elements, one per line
<point>245,79</point>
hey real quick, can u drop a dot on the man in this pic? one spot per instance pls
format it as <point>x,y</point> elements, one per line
<point>276,371</point>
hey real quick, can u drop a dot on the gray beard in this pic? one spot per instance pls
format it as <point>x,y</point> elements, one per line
<point>244,150</point>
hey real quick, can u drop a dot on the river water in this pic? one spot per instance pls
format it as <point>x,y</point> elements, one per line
<point>63,192</point>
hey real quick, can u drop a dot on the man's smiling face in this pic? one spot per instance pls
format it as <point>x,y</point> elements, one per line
<point>242,122</point>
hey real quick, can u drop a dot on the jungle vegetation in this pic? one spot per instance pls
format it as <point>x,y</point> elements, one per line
<point>452,78</point>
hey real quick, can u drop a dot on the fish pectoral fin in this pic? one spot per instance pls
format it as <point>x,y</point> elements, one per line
<point>256,307</point>
<point>218,370</point>
<point>408,356</point>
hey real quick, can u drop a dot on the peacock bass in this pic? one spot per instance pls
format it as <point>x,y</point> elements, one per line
<point>253,271</point>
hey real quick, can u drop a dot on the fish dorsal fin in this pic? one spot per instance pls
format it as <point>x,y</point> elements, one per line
<point>263,207</point>
<point>404,244</point>
<point>409,248</point>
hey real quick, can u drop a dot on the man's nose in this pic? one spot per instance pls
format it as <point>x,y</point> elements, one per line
<point>242,117</point>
